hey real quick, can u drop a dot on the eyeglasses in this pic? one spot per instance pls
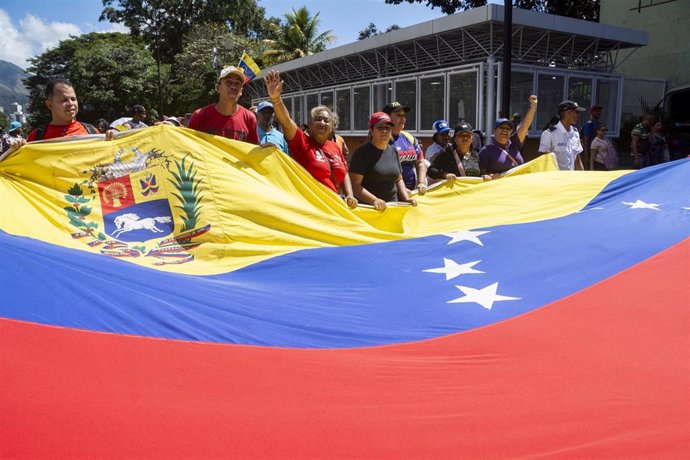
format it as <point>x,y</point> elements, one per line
<point>321,118</point>
<point>382,128</point>
<point>464,137</point>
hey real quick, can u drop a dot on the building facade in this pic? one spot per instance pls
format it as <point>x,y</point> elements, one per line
<point>450,68</point>
<point>667,22</point>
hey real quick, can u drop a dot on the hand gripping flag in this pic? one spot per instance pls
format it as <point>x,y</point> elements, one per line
<point>251,69</point>
<point>175,294</point>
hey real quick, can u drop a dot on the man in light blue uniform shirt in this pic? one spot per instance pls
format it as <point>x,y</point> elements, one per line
<point>267,133</point>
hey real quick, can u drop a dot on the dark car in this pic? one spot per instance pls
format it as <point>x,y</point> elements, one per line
<point>677,108</point>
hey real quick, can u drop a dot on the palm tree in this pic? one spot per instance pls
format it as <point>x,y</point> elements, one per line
<point>297,38</point>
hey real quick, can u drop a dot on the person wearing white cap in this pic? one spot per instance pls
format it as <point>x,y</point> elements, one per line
<point>226,117</point>
<point>267,133</point>
<point>564,140</point>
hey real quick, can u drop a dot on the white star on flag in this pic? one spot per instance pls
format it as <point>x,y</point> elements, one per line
<point>453,269</point>
<point>639,204</point>
<point>465,235</point>
<point>484,297</point>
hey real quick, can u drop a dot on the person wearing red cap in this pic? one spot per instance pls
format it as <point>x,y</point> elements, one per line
<point>319,155</point>
<point>375,170</point>
<point>589,132</point>
<point>226,117</point>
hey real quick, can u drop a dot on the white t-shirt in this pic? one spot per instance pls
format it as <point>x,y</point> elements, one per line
<point>598,149</point>
<point>433,150</point>
<point>132,124</point>
<point>565,144</point>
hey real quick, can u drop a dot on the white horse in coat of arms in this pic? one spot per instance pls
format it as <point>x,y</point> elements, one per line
<point>130,221</point>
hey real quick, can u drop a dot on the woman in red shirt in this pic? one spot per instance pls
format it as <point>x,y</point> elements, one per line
<point>319,155</point>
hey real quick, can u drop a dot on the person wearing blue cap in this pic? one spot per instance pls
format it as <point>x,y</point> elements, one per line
<point>12,140</point>
<point>268,134</point>
<point>441,138</point>
<point>504,152</point>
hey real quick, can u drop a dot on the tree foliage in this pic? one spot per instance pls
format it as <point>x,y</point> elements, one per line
<point>207,49</point>
<point>110,73</point>
<point>298,37</point>
<point>582,9</point>
<point>4,122</point>
<point>371,31</point>
<point>164,23</point>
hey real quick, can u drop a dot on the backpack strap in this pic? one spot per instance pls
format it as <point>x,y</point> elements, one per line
<point>90,128</point>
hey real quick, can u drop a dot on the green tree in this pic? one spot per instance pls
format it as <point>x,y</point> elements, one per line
<point>111,78</point>
<point>110,73</point>
<point>208,47</point>
<point>4,122</point>
<point>298,37</point>
<point>371,31</point>
<point>582,9</point>
<point>164,23</point>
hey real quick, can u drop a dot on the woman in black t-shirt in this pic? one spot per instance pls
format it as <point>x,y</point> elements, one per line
<point>375,171</point>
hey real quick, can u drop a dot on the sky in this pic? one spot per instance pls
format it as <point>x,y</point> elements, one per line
<point>29,27</point>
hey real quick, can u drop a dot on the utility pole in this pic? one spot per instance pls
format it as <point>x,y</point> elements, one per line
<point>507,56</point>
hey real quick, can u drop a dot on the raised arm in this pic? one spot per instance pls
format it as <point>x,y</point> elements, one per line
<point>274,88</point>
<point>527,118</point>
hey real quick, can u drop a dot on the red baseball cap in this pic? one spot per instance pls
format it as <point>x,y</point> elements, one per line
<point>378,119</point>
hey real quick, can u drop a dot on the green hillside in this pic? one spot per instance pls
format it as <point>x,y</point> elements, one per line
<point>11,87</point>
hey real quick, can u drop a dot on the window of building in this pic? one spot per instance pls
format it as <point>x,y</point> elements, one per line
<point>580,91</point>
<point>362,108</point>
<point>406,94</point>
<point>607,98</point>
<point>462,98</point>
<point>299,110</point>
<point>521,88</point>
<point>550,95</point>
<point>288,105</point>
<point>432,92</point>
<point>327,99</point>
<point>383,94</point>
<point>342,108</point>
<point>312,101</point>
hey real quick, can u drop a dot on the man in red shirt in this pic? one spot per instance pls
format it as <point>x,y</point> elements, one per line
<point>62,102</point>
<point>226,117</point>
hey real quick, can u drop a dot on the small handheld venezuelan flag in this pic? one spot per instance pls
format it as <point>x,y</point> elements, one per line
<point>251,70</point>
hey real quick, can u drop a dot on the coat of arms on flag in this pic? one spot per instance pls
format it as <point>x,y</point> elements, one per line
<point>136,211</point>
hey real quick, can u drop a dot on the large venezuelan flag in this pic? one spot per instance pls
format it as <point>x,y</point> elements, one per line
<point>173,294</point>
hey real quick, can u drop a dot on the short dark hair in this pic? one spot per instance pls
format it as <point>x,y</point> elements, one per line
<point>50,86</point>
<point>138,109</point>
